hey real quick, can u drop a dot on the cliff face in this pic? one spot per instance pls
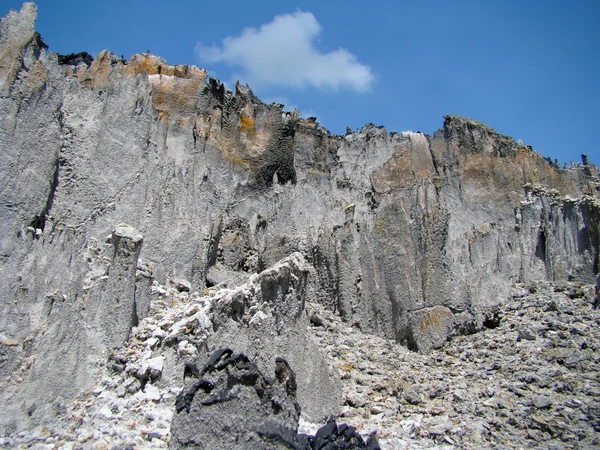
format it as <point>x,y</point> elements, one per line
<point>408,236</point>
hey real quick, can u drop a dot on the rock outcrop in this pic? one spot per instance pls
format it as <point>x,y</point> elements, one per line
<point>231,404</point>
<point>410,237</point>
<point>266,319</point>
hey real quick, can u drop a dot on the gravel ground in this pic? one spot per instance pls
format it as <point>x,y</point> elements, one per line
<point>531,380</point>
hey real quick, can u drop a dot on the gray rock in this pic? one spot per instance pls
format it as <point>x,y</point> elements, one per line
<point>220,275</point>
<point>410,237</point>
<point>265,318</point>
<point>356,399</point>
<point>542,402</point>
<point>344,341</point>
<point>233,405</point>
<point>527,333</point>
<point>575,358</point>
<point>413,397</point>
<point>596,300</point>
<point>181,284</point>
<point>117,313</point>
<point>155,366</point>
<point>430,328</point>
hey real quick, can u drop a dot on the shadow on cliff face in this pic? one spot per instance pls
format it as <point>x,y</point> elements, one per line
<point>74,59</point>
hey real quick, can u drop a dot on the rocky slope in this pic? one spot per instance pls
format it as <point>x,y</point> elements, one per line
<point>529,380</point>
<point>405,237</point>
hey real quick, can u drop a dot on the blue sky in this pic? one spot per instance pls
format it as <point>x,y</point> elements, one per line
<point>529,68</point>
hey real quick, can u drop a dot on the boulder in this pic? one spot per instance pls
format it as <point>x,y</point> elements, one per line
<point>231,404</point>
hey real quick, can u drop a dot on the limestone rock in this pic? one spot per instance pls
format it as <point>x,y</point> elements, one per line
<point>233,405</point>
<point>265,319</point>
<point>405,236</point>
<point>117,313</point>
<point>430,327</point>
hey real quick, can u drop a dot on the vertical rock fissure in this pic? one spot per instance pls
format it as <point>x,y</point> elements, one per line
<point>39,221</point>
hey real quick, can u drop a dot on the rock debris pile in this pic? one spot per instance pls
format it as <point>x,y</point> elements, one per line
<point>133,401</point>
<point>531,380</point>
<point>138,394</point>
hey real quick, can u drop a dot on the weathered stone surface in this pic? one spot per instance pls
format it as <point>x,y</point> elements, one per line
<point>117,313</point>
<point>487,389</point>
<point>231,404</point>
<point>477,391</point>
<point>411,237</point>
<point>75,336</point>
<point>265,319</point>
<point>392,223</point>
<point>430,328</point>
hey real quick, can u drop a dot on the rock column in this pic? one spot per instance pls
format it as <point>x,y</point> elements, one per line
<point>118,305</point>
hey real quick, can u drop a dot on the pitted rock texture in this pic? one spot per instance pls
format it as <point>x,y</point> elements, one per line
<point>135,382</point>
<point>231,404</point>
<point>527,381</point>
<point>409,237</point>
<point>265,319</point>
<point>131,400</point>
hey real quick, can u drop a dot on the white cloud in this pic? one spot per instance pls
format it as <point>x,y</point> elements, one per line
<point>283,52</point>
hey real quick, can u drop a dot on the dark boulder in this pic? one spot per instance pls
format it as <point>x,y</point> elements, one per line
<point>74,59</point>
<point>231,400</point>
<point>230,404</point>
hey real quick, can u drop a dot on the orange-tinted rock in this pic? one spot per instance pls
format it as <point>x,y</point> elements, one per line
<point>176,89</point>
<point>411,163</point>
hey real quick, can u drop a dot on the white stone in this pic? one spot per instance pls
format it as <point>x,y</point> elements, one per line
<point>156,364</point>
<point>203,321</point>
<point>165,324</point>
<point>151,342</point>
<point>127,231</point>
<point>191,310</point>
<point>159,333</point>
<point>151,392</point>
<point>185,348</point>
<point>258,318</point>
<point>105,412</point>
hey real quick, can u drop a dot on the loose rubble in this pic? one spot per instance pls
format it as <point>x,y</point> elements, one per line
<point>131,406</point>
<point>530,381</point>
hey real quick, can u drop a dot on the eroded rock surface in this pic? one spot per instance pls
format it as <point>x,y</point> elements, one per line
<point>529,380</point>
<point>231,404</point>
<point>408,237</point>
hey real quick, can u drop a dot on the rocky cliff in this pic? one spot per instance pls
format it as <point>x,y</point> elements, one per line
<point>410,237</point>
